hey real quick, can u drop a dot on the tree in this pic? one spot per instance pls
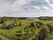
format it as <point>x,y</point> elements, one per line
<point>43,33</point>
<point>50,26</point>
<point>39,24</point>
<point>32,25</point>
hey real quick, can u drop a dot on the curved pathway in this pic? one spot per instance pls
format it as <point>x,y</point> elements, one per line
<point>3,38</point>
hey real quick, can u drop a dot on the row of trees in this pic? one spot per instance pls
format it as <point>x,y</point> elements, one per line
<point>45,18</point>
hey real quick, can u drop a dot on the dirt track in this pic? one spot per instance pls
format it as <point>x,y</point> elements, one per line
<point>3,38</point>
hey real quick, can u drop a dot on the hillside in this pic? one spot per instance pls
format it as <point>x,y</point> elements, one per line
<point>16,28</point>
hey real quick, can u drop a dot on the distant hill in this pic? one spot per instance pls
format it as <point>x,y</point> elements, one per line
<point>45,18</point>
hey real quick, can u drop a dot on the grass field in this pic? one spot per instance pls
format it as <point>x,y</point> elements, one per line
<point>26,30</point>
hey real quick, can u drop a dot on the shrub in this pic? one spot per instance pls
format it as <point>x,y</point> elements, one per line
<point>0,39</point>
<point>19,35</point>
<point>18,31</point>
<point>39,24</point>
<point>20,24</point>
<point>7,26</point>
<point>32,25</point>
<point>43,33</point>
<point>50,26</point>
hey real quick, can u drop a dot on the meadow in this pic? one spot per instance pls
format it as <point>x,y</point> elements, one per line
<point>23,29</point>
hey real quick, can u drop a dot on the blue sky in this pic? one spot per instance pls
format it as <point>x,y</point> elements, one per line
<point>26,8</point>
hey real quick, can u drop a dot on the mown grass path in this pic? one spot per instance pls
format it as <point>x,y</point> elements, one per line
<point>3,38</point>
<point>36,32</point>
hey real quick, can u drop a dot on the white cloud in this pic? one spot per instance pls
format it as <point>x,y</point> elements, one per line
<point>36,7</point>
<point>51,5</point>
<point>47,1</point>
<point>45,7</point>
<point>25,7</point>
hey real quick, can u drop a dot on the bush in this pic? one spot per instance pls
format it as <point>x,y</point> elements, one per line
<point>18,31</point>
<point>39,24</point>
<point>43,33</point>
<point>32,25</point>
<point>50,26</point>
<point>20,24</point>
<point>19,35</point>
<point>7,26</point>
<point>0,39</point>
<point>33,38</point>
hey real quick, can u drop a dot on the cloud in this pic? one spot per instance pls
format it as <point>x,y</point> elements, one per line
<point>45,7</point>
<point>47,1</point>
<point>26,7</point>
<point>51,5</point>
<point>36,7</point>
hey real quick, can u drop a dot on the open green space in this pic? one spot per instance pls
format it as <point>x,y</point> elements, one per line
<point>22,29</point>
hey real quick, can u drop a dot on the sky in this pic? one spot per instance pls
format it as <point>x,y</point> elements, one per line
<point>26,8</point>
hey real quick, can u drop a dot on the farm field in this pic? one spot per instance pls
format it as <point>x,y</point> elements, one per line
<point>23,29</point>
